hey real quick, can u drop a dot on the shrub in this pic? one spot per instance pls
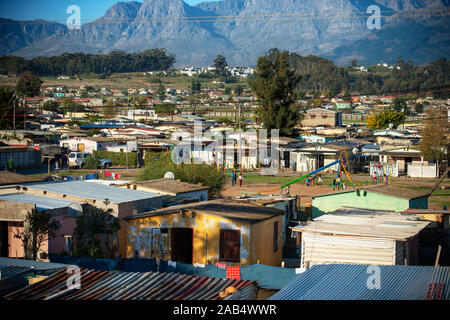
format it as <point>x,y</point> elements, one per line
<point>91,162</point>
<point>118,158</point>
<point>157,165</point>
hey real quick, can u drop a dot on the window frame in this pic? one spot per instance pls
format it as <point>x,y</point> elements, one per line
<point>222,258</point>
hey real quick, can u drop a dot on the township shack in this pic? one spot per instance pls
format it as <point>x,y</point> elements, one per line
<point>208,232</point>
<point>13,210</point>
<point>286,203</point>
<point>174,190</point>
<point>123,202</point>
<point>376,197</point>
<point>88,144</point>
<point>358,236</point>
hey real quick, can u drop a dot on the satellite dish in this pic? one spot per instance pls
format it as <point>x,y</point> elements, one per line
<point>355,150</point>
<point>64,136</point>
<point>391,125</point>
<point>169,175</point>
<point>75,208</point>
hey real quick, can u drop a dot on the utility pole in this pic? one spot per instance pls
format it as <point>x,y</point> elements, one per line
<point>24,115</point>
<point>240,137</point>
<point>14,117</point>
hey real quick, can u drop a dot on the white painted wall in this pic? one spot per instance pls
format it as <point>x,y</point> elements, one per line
<point>422,170</point>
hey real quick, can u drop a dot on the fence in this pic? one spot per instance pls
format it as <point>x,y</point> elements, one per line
<point>21,159</point>
<point>267,277</point>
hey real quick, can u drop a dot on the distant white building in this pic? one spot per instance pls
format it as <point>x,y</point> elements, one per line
<point>141,113</point>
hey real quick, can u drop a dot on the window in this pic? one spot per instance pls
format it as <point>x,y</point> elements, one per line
<point>275,236</point>
<point>230,245</point>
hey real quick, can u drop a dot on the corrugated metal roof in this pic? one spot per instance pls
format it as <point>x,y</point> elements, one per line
<point>13,271</point>
<point>377,224</point>
<point>384,189</point>
<point>42,203</point>
<point>93,191</point>
<point>37,265</point>
<point>225,208</point>
<point>101,285</point>
<point>349,282</point>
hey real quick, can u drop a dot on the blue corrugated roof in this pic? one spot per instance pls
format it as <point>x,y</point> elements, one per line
<point>32,264</point>
<point>349,282</point>
<point>42,203</point>
<point>93,191</point>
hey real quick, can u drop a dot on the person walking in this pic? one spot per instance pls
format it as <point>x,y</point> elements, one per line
<point>319,180</point>
<point>333,184</point>
<point>232,179</point>
<point>240,180</point>
<point>338,183</point>
<point>235,177</point>
<point>11,165</point>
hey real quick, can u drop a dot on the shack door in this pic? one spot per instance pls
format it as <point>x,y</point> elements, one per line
<point>286,157</point>
<point>182,241</point>
<point>321,160</point>
<point>3,239</point>
<point>80,147</point>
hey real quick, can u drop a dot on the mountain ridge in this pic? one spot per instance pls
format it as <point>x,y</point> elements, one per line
<point>242,30</point>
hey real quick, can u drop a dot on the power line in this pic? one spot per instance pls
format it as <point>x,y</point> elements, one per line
<point>253,18</point>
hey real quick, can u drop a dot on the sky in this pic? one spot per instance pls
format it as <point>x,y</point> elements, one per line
<point>55,10</point>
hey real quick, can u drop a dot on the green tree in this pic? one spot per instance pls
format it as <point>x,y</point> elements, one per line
<point>220,65</point>
<point>92,223</point>
<point>238,90</point>
<point>29,85</point>
<point>9,101</point>
<point>275,85</point>
<point>399,104</point>
<point>51,105</point>
<point>383,119</point>
<point>435,142</point>
<point>38,228</point>
<point>419,107</point>
<point>161,92</point>
<point>195,87</point>
<point>227,91</point>
<point>353,63</point>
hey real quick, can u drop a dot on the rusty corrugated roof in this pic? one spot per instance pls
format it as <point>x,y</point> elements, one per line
<point>103,285</point>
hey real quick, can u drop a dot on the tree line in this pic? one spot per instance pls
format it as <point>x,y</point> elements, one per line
<point>320,75</point>
<point>72,64</point>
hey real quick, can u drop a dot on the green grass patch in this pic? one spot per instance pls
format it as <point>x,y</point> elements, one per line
<point>440,202</point>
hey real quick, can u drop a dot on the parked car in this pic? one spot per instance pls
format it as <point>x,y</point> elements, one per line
<point>76,159</point>
<point>105,163</point>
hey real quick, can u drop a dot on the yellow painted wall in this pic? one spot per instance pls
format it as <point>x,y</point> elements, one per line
<point>204,227</point>
<point>261,245</point>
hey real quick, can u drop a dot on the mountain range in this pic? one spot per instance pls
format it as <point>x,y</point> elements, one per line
<point>242,30</point>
